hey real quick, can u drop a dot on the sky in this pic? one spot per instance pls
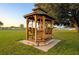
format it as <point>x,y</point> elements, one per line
<point>12,14</point>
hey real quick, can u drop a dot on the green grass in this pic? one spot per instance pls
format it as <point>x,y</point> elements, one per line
<point>9,44</point>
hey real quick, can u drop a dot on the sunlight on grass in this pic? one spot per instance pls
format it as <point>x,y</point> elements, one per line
<point>9,43</point>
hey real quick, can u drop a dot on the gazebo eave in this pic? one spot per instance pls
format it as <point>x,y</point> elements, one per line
<point>31,14</point>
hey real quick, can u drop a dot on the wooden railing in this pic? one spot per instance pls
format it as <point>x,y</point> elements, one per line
<point>48,31</point>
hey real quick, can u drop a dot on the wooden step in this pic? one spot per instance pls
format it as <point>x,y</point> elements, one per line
<point>49,41</point>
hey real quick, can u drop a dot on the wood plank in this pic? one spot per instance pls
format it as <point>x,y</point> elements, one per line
<point>26,28</point>
<point>43,28</point>
<point>35,18</point>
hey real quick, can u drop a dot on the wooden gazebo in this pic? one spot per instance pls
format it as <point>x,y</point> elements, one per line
<point>39,27</point>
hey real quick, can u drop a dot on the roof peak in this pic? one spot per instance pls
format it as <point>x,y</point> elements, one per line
<point>38,8</point>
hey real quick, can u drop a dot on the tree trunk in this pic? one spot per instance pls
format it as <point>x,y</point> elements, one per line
<point>77,28</point>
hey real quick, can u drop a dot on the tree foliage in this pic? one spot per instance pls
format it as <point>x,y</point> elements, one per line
<point>64,13</point>
<point>22,26</point>
<point>59,11</point>
<point>1,23</point>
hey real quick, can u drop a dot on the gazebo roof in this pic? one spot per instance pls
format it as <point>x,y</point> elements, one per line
<point>38,11</point>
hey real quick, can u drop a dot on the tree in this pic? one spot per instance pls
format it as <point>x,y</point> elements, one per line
<point>64,13</point>
<point>1,23</point>
<point>56,10</point>
<point>75,15</point>
<point>21,26</point>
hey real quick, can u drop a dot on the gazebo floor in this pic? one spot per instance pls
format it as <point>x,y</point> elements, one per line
<point>44,46</point>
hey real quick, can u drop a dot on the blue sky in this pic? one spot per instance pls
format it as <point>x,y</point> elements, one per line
<point>12,14</point>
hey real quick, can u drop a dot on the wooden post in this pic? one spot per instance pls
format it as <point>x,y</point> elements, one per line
<point>52,28</point>
<point>43,28</point>
<point>32,30</point>
<point>26,28</point>
<point>35,18</point>
<point>40,24</point>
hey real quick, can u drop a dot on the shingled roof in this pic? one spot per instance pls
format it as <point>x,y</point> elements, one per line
<point>38,11</point>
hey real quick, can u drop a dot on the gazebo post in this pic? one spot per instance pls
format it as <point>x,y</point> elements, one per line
<point>43,18</point>
<point>35,18</point>
<point>32,29</point>
<point>52,28</point>
<point>40,24</point>
<point>26,28</point>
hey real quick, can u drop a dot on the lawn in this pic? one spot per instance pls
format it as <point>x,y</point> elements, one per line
<point>9,44</point>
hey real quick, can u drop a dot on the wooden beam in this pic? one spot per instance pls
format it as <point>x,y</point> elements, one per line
<point>40,24</point>
<point>32,29</point>
<point>52,28</point>
<point>43,28</point>
<point>26,28</point>
<point>35,18</point>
